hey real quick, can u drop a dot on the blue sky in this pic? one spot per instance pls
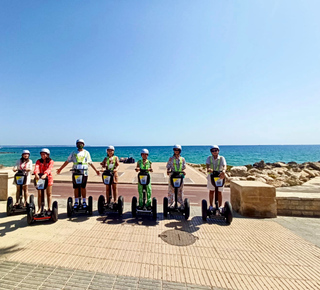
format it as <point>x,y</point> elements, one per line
<point>159,72</point>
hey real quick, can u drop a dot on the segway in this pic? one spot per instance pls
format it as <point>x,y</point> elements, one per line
<point>20,179</point>
<point>217,212</point>
<point>176,180</point>
<point>44,215</point>
<point>144,180</point>
<point>109,206</point>
<point>78,181</point>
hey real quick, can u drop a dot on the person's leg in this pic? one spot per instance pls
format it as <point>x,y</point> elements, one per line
<point>115,192</point>
<point>149,193</point>
<point>180,196</point>
<point>219,198</point>
<point>211,194</point>
<point>18,194</point>
<point>49,196</point>
<point>25,190</point>
<point>39,200</point>
<point>108,193</point>
<point>170,195</point>
<point>140,190</point>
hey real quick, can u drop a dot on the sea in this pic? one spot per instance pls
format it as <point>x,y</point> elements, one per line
<point>235,155</point>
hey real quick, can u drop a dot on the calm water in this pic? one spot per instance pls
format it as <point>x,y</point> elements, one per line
<point>235,155</point>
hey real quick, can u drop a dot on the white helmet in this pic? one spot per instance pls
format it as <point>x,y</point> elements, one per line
<point>80,141</point>
<point>214,147</point>
<point>144,151</point>
<point>25,152</point>
<point>109,148</point>
<point>177,147</point>
<point>45,150</point>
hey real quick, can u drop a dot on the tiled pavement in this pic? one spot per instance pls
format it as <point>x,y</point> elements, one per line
<point>83,252</point>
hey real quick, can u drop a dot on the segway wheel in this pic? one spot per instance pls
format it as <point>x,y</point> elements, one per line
<point>154,208</point>
<point>90,205</point>
<point>204,210</point>
<point>101,202</point>
<point>69,207</point>
<point>31,199</point>
<point>228,212</point>
<point>29,215</point>
<point>120,205</point>
<point>186,208</point>
<point>134,206</point>
<point>9,205</point>
<point>54,214</point>
<point>165,207</point>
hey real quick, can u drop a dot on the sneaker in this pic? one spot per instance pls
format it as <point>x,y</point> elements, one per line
<point>75,205</point>
<point>210,208</point>
<point>84,205</point>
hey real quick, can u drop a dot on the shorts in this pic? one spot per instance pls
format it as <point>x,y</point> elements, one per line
<point>84,182</point>
<point>210,186</point>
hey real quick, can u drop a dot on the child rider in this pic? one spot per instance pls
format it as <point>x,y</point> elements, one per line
<point>111,162</point>
<point>144,164</point>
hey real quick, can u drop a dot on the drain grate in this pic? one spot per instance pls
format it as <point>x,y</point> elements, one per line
<point>178,238</point>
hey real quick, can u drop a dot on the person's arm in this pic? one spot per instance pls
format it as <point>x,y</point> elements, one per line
<point>222,175</point>
<point>169,166</point>
<point>138,167</point>
<point>16,167</point>
<point>62,166</point>
<point>29,166</point>
<point>97,171</point>
<point>150,169</point>
<point>209,169</point>
<point>184,166</point>
<point>116,165</point>
<point>47,172</point>
<point>36,170</point>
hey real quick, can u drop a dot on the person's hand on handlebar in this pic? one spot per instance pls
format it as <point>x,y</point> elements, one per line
<point>137,169</point>
<point>222,175</point>
<point>44,176</point>
<point>150,169</point>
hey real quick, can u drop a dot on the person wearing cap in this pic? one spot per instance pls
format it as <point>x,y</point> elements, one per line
<point>144,164</point>
<point>24,164</point>
<point>112,163</point>
<point>44,166</point>
<point>176,163</point>
<point>215,162</point>
<point>81,156</point>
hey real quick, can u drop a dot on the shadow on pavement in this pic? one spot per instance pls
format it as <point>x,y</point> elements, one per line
<point>11,226</point>
<point>75,218</point>
<point>9,250</point>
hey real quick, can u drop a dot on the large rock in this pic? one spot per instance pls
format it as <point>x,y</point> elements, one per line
<point>279,164</point>
<point>309,172</point>
<point>260,164</point>
<point>240,171</point>
<point>314,165</point>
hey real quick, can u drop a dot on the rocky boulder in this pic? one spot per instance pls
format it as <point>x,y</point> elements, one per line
<point>239,171</point>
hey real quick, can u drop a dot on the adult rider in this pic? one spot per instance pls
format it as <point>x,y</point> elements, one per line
<point>215,162</point>
<point>176,163</point>
<point>80,157</point>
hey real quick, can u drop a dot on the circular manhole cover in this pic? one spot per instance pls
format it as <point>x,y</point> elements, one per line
<point>178,238</point>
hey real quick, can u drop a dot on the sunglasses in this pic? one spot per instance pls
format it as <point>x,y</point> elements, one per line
<point>176,149</point>
<point>214,150</point>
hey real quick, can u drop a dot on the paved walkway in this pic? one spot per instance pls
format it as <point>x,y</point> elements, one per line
<point>111,253</point>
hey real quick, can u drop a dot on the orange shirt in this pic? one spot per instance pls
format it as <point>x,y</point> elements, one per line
<point>45,168</point>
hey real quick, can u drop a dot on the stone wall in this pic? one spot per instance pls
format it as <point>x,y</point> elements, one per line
<point>296,206</point>
<point>7,188</point>
<point>253,199</point>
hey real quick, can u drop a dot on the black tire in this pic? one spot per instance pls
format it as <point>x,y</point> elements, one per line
<point>134,206</point>
<point>29,215</point>
<point>31,199</point>
<point>228,212</point>
<point>120,205</point>
<point>90,205</point>
<point>186,208</point>
<point>204,210</point>
<point>101,202</point>
<point>154,208</point>
<point>9,205</point>
<point>69,207</point>
<point>165,207</point>
<point>54,214</point>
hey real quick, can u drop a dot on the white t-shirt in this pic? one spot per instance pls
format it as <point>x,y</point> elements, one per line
<point>24,166</point>
<point>216,161</point>
<point>80,156</point>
